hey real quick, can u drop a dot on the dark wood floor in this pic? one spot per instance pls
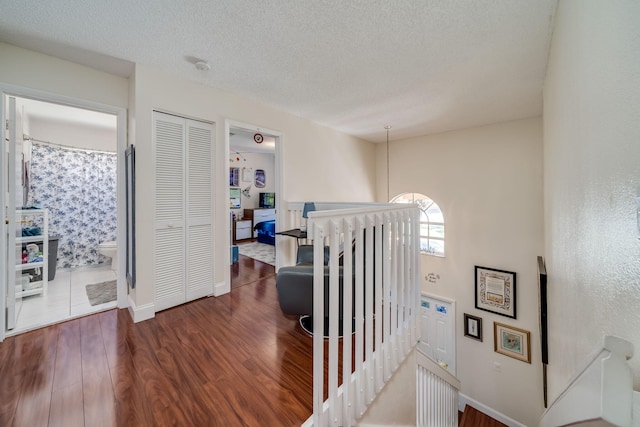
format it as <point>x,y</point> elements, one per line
<point>234,360</point>
<point>474,418</point>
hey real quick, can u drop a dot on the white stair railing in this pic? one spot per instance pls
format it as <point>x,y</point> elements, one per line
<point>436,393</point>
<point>601,394</point>
<point>377,248</point>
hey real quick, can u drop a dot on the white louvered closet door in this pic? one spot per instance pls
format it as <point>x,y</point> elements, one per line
<point>183,213</point>
<point>199,221</point>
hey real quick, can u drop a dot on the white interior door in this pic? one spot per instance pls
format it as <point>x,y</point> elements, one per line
<point>184,209</point>
<point>168,137</point>
<point>438,329</point>
<point>200,139</point>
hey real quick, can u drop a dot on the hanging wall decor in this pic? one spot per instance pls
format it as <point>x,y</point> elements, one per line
<point>260,179</point>
<point>246,192</point>
<point>496,291</point>
<point>247,174</point>
<point>511,341</point>
<point>234,177</point>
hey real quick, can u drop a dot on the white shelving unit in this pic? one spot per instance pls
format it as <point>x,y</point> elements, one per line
<point>40,218</point>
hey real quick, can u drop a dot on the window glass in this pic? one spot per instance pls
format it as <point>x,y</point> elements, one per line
<point>431,222</point>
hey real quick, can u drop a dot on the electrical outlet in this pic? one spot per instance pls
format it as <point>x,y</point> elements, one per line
<point>497,366</point>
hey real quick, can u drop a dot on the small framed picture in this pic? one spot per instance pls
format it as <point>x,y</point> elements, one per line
<point>473,327</point>
<point>512,342</point>
<point>260,179</point>
<point>247,174</point>
<point>496,291</point>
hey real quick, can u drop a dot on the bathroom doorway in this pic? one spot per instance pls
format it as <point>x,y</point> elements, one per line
<point>62,205</point>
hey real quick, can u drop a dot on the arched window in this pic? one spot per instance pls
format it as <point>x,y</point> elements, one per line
<point>431,222</point>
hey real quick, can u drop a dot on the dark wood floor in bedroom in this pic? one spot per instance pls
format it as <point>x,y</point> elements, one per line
<point>234,360</point>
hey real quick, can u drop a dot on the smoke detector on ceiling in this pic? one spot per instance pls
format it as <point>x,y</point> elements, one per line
<point>203,66</point>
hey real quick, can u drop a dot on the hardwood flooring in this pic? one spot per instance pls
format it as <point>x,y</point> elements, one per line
<point>475,418</point>
<point>234,360</point>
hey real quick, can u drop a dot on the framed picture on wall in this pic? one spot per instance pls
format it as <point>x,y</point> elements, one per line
<point>247,174</point>
<point>234,176</point>
<point>496,291</point>
<point>260,179</point>
<point>512,342</point>
<point>473,327</point>
<point>234,198</point>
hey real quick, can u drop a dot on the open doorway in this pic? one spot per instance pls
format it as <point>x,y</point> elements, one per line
<point>61,202</point>
<point>253,195</point>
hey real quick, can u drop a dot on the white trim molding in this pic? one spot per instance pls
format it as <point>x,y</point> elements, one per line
<point>221,288</point>
<point>466,400</point>
<point>141,313</point>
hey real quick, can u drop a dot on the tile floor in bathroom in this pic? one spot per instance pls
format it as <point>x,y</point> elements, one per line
<point>66,298</point>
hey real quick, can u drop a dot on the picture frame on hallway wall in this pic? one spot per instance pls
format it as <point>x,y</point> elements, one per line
<point>512,342</point>
<point>260,179</point>
<point>473,327</point>
<point>495,291</point>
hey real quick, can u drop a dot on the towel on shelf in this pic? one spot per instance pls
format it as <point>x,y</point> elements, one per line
<point>35,231</point>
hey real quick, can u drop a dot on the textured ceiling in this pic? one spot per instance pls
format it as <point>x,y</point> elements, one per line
<point>422,66</point>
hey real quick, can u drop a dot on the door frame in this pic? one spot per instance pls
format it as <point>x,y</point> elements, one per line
<point>279,137</point>
<point>7,90</point>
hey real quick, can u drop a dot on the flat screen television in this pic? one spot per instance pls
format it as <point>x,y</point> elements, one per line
<point>267,200</point>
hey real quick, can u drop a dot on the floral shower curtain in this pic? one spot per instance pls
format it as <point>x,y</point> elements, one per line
<point>79,189</point>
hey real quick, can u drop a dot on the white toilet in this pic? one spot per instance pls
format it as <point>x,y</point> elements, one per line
<point>110,249</point>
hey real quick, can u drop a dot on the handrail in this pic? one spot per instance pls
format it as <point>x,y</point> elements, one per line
<point>602,391</point>
<point>436,393</point>
<point>383,301</point>
<point>423,359</point>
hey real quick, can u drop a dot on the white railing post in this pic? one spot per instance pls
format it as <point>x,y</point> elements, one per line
<point>372,272</point>
<point>380,317</point>
<point>347,323</point>
<point>436,394</point>
<point>393,281</point>
<point>334,317</point>
<point>359,350</point>
<point>368,319</point>
<point>317,233</point>
<point>386,310</point>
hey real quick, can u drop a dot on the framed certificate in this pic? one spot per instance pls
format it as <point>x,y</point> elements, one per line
<point>496,291</point>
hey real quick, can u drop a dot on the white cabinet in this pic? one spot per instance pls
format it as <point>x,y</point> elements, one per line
<point>32,252</point>
<point>183,250</point>
<point>242,229</point>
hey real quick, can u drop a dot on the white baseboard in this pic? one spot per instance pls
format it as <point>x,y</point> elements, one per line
<point>466,400</point>
<point>221,288</point>
<point>385,425</point>
<point>140,313</point>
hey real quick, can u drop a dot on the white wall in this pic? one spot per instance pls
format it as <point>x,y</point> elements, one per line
<point>33,70</point>
<point>318,163</point>
<point>592,179</point>
<point>488,182</point>
<point>255,161</point>
<point>74,134</point>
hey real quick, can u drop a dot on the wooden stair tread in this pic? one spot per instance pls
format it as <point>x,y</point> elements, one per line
<point>474,418</point>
